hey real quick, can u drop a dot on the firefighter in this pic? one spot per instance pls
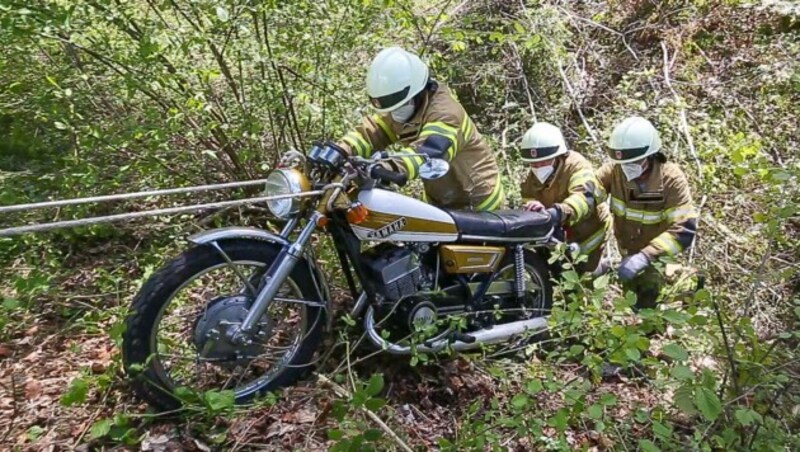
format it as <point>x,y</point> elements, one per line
<point>421,115</point>
<point>563,183</point>
<point>651,205</point>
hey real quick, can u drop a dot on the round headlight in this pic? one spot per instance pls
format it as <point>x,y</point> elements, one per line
<point>285,182</point>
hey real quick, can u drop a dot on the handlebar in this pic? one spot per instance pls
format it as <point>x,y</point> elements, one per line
<point>379,172</point>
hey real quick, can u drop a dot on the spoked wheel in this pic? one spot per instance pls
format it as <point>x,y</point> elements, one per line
<point>177,335</point>
<point>538,288</point>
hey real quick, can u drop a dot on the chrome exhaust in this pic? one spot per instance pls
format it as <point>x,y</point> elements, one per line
<point>493,335</point>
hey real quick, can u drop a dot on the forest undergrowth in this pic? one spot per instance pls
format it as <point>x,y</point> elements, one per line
<point>108,96</point>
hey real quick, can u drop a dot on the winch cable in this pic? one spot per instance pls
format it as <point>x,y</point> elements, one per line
<point>124,196</point>
<point>18,230</point>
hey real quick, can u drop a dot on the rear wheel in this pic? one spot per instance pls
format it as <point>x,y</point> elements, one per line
<point>174,343</point>
<point>538,288</point>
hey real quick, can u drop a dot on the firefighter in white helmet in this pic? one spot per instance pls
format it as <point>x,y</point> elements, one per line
<point>651,204</point>
<point>563,183</point>
<point>422,116</point>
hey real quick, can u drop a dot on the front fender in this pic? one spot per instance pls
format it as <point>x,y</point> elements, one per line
<point>239,233</point>
<point>236,232</point>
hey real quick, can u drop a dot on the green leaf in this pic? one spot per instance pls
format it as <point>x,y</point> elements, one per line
<point>662,431</point>
<point>601,282</point>
<point>76,394</point>
<point>335,434</point>
<point>708,403</point>
<point>375,385</point>
<point>11,304</point>
<point>219,400</point>
<point>534,386</point>
<point>746,416</point>
<point>375,404</point>
<point>60,125</point>
<point>675,317</point>
<point>373,435</point>
<point>680,372</point>
<point>595,411</point>
<point>675,352</point>
<point>34,433</point>
<point>633,353</point>
<point>519,401</point>
<point>684,399</point>
<point>648,446</point>
<point>608,399</point>
<point>100,429</point>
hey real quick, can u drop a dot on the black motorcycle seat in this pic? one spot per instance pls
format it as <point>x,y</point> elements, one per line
<point>512,224</point>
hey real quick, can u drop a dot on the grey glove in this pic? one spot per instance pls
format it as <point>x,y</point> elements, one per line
<point>632,266</point>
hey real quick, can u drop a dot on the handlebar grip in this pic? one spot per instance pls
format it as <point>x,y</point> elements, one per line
<point>384,174</point>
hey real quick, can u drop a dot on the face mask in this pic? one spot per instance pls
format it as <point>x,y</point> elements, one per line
<point>403,113</point>
<point>543,172</point>
<point>632,170</point>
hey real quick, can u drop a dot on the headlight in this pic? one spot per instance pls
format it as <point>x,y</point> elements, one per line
<point>285,182</point>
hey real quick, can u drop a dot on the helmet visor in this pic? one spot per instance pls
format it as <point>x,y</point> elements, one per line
<point>390,100</point>
<point>537,154</point>
<point>627,154</point>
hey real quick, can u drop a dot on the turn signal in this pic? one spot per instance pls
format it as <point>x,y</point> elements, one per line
<point>357,213</point>
<point>322,222</point>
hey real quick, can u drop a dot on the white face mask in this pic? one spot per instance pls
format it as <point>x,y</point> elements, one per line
<point>543,172</point>
<point>632,170</point>
<point>403,113</point>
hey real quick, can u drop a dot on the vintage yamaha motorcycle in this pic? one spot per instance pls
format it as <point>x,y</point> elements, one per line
<point>244,309</point>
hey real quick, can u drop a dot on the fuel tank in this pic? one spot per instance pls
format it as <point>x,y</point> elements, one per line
<point>395,217</point>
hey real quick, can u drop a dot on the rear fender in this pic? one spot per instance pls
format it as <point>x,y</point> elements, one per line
<point>307,264</point>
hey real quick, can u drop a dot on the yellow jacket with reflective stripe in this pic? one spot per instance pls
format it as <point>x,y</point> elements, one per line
<point>574,187</point>
<point>654,215</point>
<point>473,181</point>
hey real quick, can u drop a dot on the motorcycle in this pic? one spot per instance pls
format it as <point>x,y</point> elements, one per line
<point>245,310</point>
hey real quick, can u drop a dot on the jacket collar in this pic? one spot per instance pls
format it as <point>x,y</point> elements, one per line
<point>651,183</point>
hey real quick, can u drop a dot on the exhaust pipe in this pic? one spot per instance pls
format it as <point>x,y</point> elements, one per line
<point>492,335</point>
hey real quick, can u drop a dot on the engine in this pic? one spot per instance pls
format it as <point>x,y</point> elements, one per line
<point>393,271</point>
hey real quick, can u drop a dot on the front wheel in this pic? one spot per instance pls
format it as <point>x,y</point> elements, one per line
<point>175,344</point>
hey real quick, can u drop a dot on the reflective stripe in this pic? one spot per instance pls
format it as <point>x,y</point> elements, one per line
<point>594,241</point>
<point>495,199</point>
<point>642,216</point>
<point>447,131</point>
<point>411,162</point>
<point>385,127</point>
<point>578,203</point>
<point>580,178</point>
<point>666,242</point>
<point>359,143</point>
<point>680,213</point>
<point>466,128</point>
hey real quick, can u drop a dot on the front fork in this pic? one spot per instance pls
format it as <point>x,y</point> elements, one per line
<point>274,278</point>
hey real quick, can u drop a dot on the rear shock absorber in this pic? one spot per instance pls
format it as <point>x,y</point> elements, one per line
<point>519,270</point>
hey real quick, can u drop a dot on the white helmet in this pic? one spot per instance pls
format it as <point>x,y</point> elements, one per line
<point>543,141</point>
<point>633,139</point>
<point>394,77</point>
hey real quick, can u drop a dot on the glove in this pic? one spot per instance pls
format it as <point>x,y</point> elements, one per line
<point>533,206</point>
<point>556,214</point>
<point>632,266</point>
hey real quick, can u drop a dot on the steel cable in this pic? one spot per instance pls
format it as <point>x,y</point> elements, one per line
<point>8,232</point>
<point>123,196</point>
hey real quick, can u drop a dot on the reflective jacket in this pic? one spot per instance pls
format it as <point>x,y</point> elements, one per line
<point>656,215</point>
<point>574,187</point>
<point>442,129</point>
